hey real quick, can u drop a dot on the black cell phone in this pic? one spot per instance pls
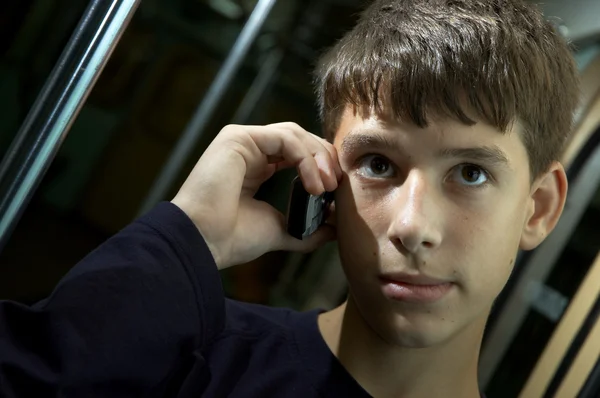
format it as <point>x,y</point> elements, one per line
<point>306,212</point>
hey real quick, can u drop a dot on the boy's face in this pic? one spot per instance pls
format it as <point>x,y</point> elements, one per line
<point>443,207</point>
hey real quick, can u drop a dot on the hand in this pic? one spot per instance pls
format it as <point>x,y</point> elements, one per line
<point>218,195</point>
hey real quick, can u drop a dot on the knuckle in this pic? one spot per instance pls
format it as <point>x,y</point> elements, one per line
<point>293,139</point>
<point>317,144</point>
<point>329,146</point>
<point>326,144</point>
<point>292,125</point>
<point>230,129</point>
<point>296,146</point>
<point>326,150</point>
<point>295,128</point>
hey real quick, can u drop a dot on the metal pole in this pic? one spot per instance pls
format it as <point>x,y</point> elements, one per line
<point>57,106</point>
<point>266,76</point>
<point>201,117</point>
<point>269,71</point>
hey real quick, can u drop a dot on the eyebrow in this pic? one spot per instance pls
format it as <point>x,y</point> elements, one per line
<point>356,141</point>
<point>490,154</point>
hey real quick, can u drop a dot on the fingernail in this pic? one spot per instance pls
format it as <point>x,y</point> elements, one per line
<point>323,164</point>
<point>321,187</point>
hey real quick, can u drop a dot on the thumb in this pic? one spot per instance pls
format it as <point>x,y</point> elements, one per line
<point>325,233</point>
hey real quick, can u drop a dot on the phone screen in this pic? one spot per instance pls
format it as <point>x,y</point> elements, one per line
<point>306,212</point>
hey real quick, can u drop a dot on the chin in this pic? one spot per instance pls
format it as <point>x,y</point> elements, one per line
<point>416,335</point>
<point>411,327</point>
<point>414,340</point>
<point>423,330</point>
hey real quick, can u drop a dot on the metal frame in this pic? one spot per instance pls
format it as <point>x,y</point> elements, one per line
<point>206,108</point>
<point>58,105</point>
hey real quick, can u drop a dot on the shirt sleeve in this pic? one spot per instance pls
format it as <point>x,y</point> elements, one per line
<point>122,322</point>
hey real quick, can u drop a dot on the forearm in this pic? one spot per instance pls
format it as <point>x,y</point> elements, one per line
<point>122,320</point>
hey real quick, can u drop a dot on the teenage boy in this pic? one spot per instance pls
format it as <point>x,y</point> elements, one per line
<point>445,121</point>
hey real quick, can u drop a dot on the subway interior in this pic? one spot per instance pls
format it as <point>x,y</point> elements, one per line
<point>159,74</point>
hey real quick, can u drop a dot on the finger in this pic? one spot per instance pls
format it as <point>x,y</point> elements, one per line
<point>269,171</point>
<point>326,171</point>
<point>328,146</point>
<point>279,163</point>
<point>280,143</point>
<point>325,153</point>
<point>334,156</point>
<point>283,165</point>
<point>327,164</point>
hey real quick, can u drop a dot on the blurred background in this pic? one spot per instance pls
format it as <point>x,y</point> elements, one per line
<point>543,338</point>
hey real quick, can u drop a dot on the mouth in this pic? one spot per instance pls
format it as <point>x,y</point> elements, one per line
<point>414,288</point>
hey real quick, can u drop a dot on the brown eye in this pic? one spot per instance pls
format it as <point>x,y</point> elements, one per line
<point>375,166</point>
<point>379,165</point>
<point>470,174</point>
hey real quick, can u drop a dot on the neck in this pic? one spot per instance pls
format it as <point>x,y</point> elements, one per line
<point>383,370</point>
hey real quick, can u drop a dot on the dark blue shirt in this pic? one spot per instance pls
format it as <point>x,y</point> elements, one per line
<point>145,315</point>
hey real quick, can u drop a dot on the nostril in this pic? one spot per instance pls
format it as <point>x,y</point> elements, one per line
<point>428,245</point>
<point>400,246</point>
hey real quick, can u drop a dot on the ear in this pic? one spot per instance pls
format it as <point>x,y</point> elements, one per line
<point>548,196</point>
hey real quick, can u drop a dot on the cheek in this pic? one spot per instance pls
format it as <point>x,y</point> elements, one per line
<point>360,220</point>
<point>491,238</point>
<point>361,207</point>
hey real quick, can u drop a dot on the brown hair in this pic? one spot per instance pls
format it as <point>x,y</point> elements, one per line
<point>499,59</point>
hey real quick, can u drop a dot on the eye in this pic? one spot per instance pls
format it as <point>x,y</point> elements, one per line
<point>470,174</point>
<point>375,166</point>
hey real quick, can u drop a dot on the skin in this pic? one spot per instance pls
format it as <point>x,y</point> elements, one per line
<point>409,202</point>
<point>420,213</point>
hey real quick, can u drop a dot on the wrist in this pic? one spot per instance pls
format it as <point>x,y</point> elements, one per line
<point>217,255</point>
<point>196,219</point>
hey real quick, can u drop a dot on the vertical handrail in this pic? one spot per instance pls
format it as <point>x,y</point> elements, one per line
<point>207,106</point>
<point>57,106</point>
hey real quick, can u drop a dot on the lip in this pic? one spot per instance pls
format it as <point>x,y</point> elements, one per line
<point>414,288</point>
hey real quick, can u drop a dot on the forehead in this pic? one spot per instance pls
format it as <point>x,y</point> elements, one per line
<point>444,130</point>
<point>440,136</point>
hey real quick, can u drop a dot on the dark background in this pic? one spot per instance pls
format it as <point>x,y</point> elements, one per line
<point>158,74</point>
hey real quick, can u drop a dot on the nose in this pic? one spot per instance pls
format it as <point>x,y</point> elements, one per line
<point>416,216</point>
